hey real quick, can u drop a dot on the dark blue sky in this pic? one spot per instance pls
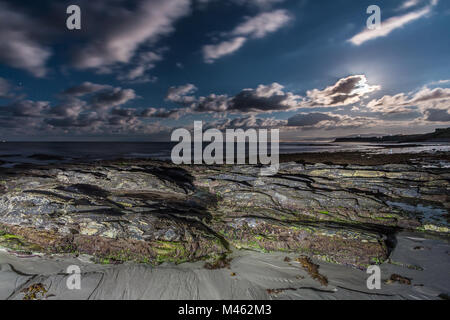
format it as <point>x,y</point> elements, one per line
<point>138,69</point>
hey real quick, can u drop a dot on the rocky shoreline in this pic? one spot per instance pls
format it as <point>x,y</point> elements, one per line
<point>152,212</point>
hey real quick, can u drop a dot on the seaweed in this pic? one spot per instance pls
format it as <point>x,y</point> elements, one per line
<point>312,269</point>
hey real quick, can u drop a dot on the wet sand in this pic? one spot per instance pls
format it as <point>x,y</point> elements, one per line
<point>251,275</point>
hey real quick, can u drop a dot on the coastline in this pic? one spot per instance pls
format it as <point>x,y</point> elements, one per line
<point>133,218</point>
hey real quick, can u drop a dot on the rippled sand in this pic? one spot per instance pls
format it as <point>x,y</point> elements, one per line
<point>251,276</point>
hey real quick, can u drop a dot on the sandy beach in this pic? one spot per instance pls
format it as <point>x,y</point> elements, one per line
<point>251,275</point>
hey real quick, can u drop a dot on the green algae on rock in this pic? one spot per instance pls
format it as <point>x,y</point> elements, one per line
<point>154,212</point>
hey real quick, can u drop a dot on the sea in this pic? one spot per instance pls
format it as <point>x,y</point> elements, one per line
<point>13,153</point>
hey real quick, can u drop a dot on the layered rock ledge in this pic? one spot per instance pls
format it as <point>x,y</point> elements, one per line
<point>152,212</point>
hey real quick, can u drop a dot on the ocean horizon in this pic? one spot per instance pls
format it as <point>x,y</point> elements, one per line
<point>12,153</point>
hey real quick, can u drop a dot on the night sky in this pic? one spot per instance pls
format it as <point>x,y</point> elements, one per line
<point>139,69</point>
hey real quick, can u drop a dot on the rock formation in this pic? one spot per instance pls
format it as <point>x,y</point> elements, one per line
<point>152,212</point>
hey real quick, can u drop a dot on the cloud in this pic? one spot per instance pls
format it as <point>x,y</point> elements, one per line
<point>145,62</point>
<point>389,104</point>
<point>262,24</point>
<point>27,108</point>
<point>161,113</point>
<point>260,4</point>
<point>5,89</point>
<point>212,52</point>
<point>310,119</point>
<point>124,112</point>
<point>19,46</point>
<point>115,36</point>
<point>85,88</point>
<point>212,103</point>
<point>92,108</point>
<point>97,97</point>
<point>345,91</point>
<point>101,96</point>
<point>14,125</point>
<point>264,99</point>
<point>437,115</point>
<point>92,124</point>
<point>119,112</point>
<point>91,120</point>
<point>392,24</point>
<point>111,98</point>
<point>134,73</point>
<point>408,4</point>
<point>129,122</point>
<point>422,99</point>
<point>349,122</point>
<point>87,108</point>
<point>120,31</point>
<point>432,104</point>
<point>273,97</point>
<point>253,27</point>
<point>441,82</point>
<point>181,94</point>
<point>427,94</point>
<point>248,122</point>
<point>71,107</point>
<point>328,121</point>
